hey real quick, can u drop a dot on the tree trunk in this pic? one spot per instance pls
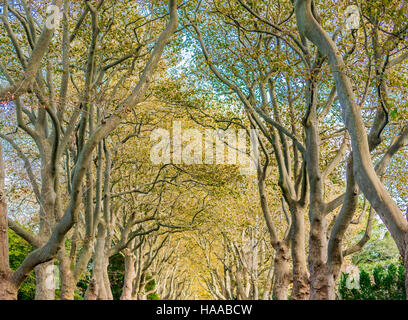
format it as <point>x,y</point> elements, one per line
<point>67,289</point>
<point>319,284</point>
<point>68,284</point>
<point>92,290</point>
<point>106,281</point>
<point>282,267</point>
<point>405,257</point>
<point>98,288</point>
<point>343,220</point>
<point>45,281</point>
<point>130,275</point>
<point>282,273</point>
<point>301,285</point>
<point>317,235</point>
<point>7,290</point>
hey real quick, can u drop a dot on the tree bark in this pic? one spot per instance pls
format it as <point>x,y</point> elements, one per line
<point>317,259</point>
<point>92,290</point>
<point>45,281</point>
<point>130,275</point>
<point>7,290</point>
<point>106,281</point>
<point>335,250</point>
<point>301,283</point>
<point>100,289</point>
<point>318,225</point>
<point>281,263</point>
<point>68,283</point>
<point>406,270</point>
<point>282,272</point>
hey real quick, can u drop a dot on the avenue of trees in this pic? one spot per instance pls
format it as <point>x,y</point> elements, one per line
<point>317,88</point>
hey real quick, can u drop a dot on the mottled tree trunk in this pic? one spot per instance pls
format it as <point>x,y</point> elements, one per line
<point>282,274</point>
<point>405,257</point>
<point>301,286</point>
<point>317,259</point>
<point>45,281</point>
<point>281,263</point>
<point>92,290</point>
<point>7,290</point>
<point>44,273</point>
<point>100,287</point>
<point>107,285</point>
<point>68,283</point>
<point>130,275</point>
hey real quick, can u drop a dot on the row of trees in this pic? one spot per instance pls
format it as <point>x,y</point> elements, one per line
<point>295,94</point>
<point>80,100</point>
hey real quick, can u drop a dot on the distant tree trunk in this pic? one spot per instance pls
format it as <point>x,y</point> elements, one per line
<point>7,290</point>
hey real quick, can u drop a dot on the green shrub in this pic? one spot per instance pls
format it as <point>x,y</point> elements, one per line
<point>18,250</point>
<point>382,284</point>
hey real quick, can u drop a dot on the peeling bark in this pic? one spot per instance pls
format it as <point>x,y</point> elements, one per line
<point>45,281</point>
<point>130,275</point>
<point>301,283</point>
<point>68,283</point>
<point>7,290</point>
<point>282,274</point>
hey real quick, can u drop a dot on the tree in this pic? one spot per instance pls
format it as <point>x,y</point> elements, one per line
<point>53,146</point>
<point>125,161</point>
<point>363,168</point>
